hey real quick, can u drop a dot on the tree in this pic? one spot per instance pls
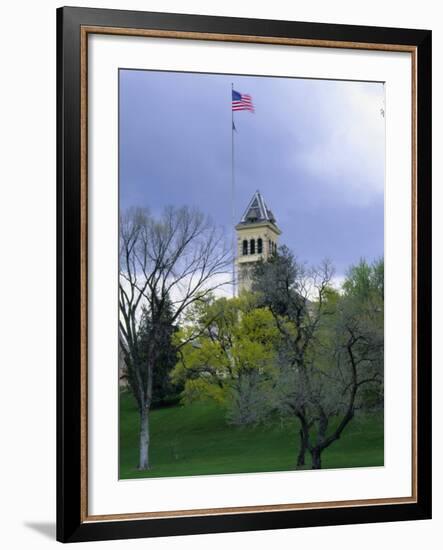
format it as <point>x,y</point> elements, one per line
<point>365,281</point>
<point>163,389</point>
<point>364,285</point>
<point>167,263</point>
<point>331,347</point>
<point>349,359</point>
<point>233,359</point>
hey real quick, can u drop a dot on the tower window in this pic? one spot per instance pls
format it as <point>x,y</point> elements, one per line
<point>252,246</point>
<point>245,248</point>
<point>259,246</point>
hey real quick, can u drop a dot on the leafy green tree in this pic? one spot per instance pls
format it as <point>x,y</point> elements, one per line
<point>164,390</point>
<point>364,288</point>
<point>365,281</point>
<point>233,359</point>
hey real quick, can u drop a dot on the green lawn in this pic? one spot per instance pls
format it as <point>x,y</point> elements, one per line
<point>194,439</point>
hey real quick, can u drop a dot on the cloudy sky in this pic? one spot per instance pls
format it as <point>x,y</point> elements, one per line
<point>314,148</point>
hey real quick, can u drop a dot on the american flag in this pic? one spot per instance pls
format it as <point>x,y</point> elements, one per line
<point>241,102</point>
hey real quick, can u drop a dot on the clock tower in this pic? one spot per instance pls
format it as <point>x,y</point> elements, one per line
<point>257,238</point>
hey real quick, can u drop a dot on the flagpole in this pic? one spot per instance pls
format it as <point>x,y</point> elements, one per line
<point>233,197</point>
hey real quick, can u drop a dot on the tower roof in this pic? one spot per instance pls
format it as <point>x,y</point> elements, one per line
<point>257,211</point>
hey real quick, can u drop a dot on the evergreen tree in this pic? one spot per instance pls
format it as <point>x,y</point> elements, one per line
<point>164,391</point>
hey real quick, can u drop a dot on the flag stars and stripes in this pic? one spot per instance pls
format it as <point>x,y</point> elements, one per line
<point>242,102</point>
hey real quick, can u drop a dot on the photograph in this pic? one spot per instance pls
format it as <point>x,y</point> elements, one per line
<point>244,273</point>
<point>251,273</point>
<point>218,305</point>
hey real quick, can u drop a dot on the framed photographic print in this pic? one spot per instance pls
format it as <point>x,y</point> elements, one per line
<point>244,274</point>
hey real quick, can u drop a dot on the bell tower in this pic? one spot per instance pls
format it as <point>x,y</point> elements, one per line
<point>257,238</point>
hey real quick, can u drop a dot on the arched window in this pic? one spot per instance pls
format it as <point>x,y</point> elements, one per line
<point>259,246</point>
<point>245,247</point>
<point>252,246</point>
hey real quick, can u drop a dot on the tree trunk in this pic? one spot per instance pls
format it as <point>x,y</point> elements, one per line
<point>302,451</point>
<point>143,463</point>
<point>316,459</point>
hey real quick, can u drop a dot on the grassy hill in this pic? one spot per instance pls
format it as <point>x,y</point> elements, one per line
<point>194,439</point>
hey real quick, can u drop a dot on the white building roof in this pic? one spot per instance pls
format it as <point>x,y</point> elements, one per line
<point>257,211</point>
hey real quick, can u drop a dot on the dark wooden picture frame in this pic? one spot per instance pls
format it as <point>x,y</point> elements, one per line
<point>73,521</point>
